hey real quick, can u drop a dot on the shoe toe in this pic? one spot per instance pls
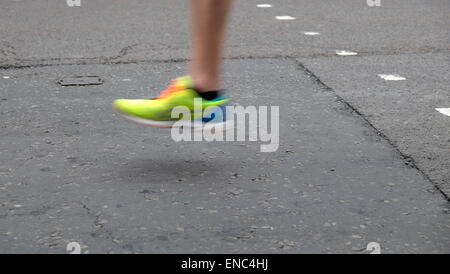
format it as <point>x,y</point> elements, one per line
<point>126,106</point>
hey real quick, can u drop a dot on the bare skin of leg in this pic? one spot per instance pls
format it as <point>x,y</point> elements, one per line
<point>209,19</point>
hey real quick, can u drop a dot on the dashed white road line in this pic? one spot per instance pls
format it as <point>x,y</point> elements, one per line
<point>346,53</point>
<point>312,33</point>
<point>5,77</point>
<point>264,5</point>
<point>445,111</point>
<point>285,17</point>
<point>391,77</point>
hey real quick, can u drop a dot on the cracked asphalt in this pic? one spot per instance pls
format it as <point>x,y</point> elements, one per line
<point>360,159</point>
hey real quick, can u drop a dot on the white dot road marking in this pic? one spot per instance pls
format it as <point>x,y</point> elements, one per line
<point>126,79</point>
<point>312,33</point>
<point>264,6</point>
<point>346,53</point>
<point>392,77</point>
<point>284,17</point>
<point>445,111</point>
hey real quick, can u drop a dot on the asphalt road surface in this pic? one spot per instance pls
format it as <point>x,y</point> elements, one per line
<point>364,153</point>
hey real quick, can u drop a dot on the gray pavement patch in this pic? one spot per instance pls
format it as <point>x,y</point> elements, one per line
<point>334,185</point>
<point>96,32</point>
<point>403,111</point>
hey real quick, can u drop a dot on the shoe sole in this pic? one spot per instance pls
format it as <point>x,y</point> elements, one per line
<point>223,126</point>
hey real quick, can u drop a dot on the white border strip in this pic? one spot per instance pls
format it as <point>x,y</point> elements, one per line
<point>264,5</point>
<point>285,17</point>
<point>346,53</point>
<point>445,111</point>
<point>391,77</point>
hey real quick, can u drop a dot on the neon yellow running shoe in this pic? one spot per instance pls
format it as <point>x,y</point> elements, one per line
<point>157,112</point>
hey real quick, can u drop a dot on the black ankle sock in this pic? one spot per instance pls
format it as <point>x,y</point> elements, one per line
<point>209,95</point>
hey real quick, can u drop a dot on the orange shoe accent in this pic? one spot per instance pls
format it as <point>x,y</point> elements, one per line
<point>173,88</point>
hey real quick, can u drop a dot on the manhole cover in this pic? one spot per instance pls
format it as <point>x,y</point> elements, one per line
<point>80,81</point>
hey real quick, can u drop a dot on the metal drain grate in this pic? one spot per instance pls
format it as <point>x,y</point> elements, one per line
<point>80,81</point>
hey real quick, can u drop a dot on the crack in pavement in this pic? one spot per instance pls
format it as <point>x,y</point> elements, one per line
<point>108,233</point>
<point>409,160</point>
<point>117,60</point>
